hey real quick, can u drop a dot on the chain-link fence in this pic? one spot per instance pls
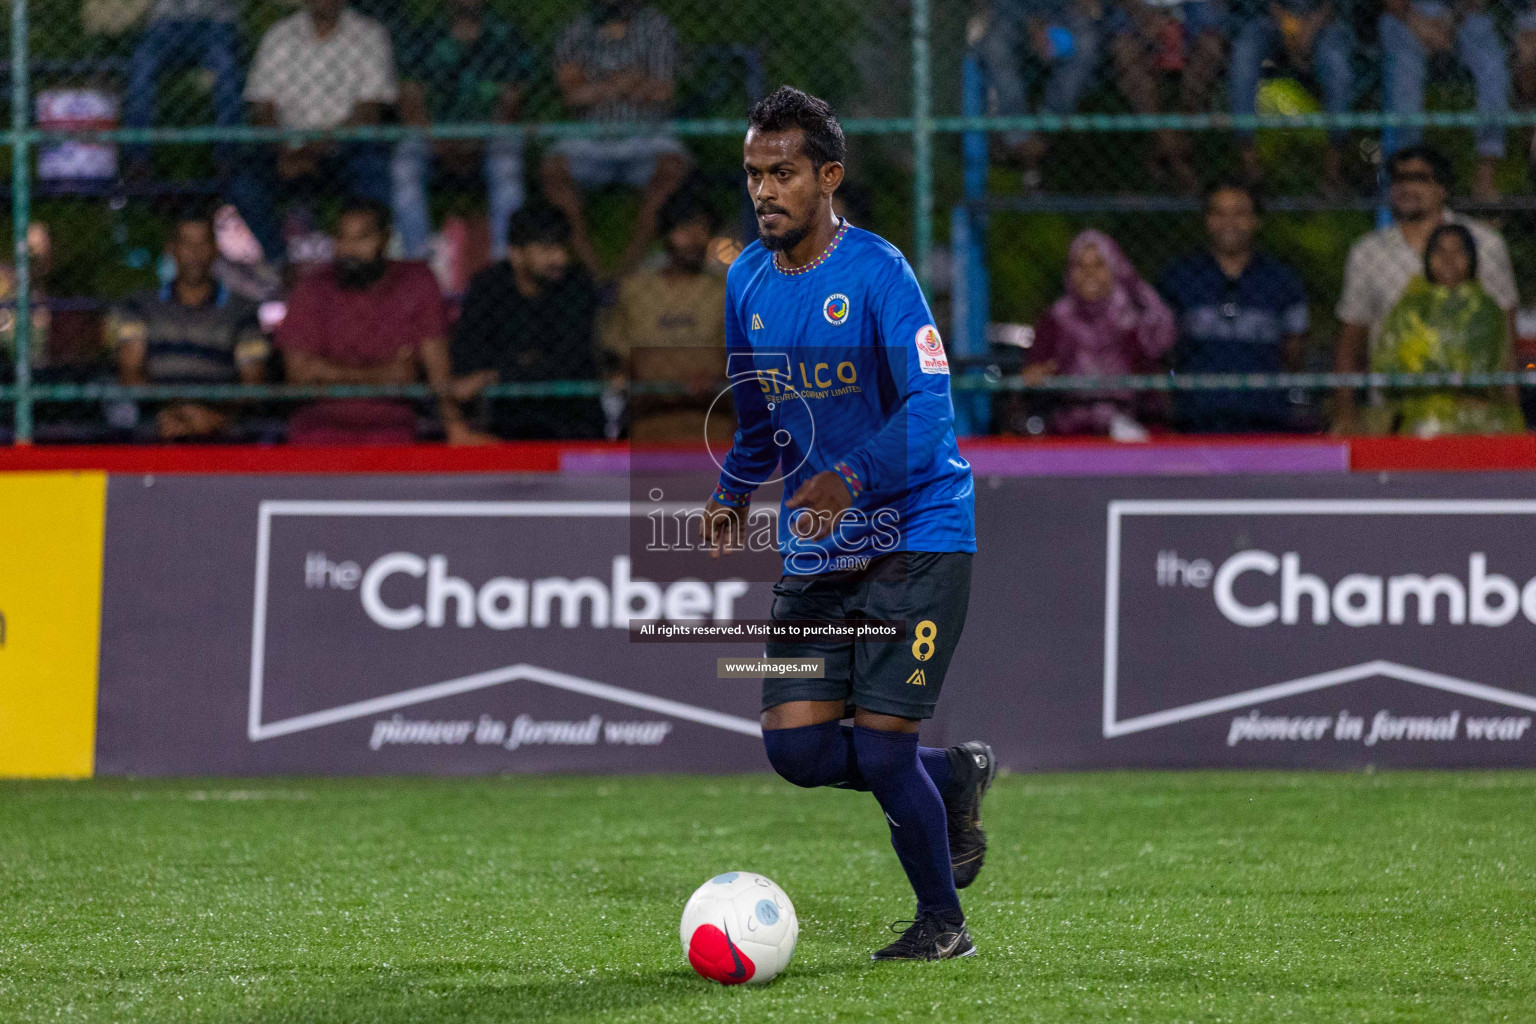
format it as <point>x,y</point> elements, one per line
<point>1263,205</point>
<point>186,165</point>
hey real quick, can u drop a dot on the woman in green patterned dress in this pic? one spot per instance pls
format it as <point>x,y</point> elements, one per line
<point>1445,323</point>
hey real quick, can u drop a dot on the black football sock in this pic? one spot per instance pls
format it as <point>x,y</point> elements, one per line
<point>890,764</point>
<point>936,764</point>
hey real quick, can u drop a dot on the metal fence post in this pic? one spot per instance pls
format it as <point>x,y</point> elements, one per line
<point>970,291</point>
<point>922,146</point>
<point>21,217</point>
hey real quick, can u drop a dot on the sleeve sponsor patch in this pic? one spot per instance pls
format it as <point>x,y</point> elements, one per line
<point>930,351</point>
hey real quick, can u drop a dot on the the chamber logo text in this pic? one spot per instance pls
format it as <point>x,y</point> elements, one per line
<point>1255,588</point>
<point>405,590</point>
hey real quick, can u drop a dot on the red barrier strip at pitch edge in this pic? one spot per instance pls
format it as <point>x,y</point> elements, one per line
<point>522,457</point>
<point>1381,454</point>
<point>1516,452</point>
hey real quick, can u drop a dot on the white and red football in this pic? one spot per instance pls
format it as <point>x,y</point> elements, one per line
<point>739,928</point>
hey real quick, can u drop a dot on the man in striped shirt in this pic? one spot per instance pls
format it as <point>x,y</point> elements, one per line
<point>190,331</point>
<point>617,65</point>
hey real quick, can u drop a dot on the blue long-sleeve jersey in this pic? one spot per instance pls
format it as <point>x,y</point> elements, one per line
<point>838,366</point>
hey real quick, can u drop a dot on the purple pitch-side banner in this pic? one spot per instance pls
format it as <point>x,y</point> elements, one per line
<point>408,624</point>
<point>454,624</point>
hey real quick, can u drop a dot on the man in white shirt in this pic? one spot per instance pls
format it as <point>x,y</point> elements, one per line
<point>325,67</point>
<point>1382,262</point>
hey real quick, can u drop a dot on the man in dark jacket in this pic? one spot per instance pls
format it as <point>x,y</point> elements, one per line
<point>530,318</point>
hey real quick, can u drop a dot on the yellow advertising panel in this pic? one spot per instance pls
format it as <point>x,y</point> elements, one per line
<point>51,533</point>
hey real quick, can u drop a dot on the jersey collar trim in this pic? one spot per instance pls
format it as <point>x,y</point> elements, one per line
<point>826,253</point>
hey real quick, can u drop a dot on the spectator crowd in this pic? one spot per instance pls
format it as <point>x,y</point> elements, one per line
<point>1042,56</point>
<point>364,319</point>
<point>329,66</point>
<point>1432,290</point>
<point>540,305</point>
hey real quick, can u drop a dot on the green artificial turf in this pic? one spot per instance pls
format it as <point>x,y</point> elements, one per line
<point>1128,897</point>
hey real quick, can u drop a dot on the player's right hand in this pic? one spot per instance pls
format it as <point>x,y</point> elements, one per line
<point>723,528</point>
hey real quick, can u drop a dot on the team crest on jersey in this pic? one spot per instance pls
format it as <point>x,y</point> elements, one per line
<point>930,351</point>
<point>836,308</point>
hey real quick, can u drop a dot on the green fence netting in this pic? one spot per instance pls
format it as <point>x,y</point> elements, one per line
<point>985,140</point>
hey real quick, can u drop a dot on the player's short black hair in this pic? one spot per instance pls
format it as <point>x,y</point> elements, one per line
<point>377,209</point>
<point>683,207</point>
<point>787,109</point>
<point>538,222</point>
<point>1234,185</point>
<point>1439,166</point>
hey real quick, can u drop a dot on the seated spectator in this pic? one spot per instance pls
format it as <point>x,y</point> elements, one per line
<point>182,32</point>
<point>615,64</point>
<point>1238,310</point>
<point>530,318</point>
<point>468,67</point>
<point>190,331</point>
<point>325,67</point>
<point>367,320</point>
<point>1414,31</point>
<point>1061,39</point>
<point>1109,321</point>
<point>1313,39</point>
<point>1382,262</point>
<point>1446,323</point>
<point>668,325</point>
<point>1149,39</point>
<point>39,318</point>
<point>1524,70</point>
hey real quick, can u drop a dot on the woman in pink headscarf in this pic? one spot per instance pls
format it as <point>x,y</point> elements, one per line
<point>1110,321</point>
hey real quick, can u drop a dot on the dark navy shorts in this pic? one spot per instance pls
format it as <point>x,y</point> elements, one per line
<point>928,590</point>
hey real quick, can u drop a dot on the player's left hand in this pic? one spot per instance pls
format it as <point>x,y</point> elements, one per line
<point>825,497</point>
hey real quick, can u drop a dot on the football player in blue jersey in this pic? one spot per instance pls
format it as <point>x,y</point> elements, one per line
<point>845,399</point>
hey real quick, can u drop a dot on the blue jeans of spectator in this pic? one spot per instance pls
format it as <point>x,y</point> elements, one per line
<point>169,45</point>
<point>1259,37</point>
<point>1405,67</point>
<point>411,169</point>
<point>362,167</point>
<point>1003,58</point>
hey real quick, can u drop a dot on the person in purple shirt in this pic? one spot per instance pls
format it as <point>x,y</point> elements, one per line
<point>1109,322</point>
<point>366,319</point>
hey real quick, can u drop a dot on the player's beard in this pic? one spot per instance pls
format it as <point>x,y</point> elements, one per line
<point>783,242</point>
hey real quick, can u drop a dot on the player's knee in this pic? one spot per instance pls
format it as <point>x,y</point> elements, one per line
<point>806,755</point>
<point>884,755</point>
